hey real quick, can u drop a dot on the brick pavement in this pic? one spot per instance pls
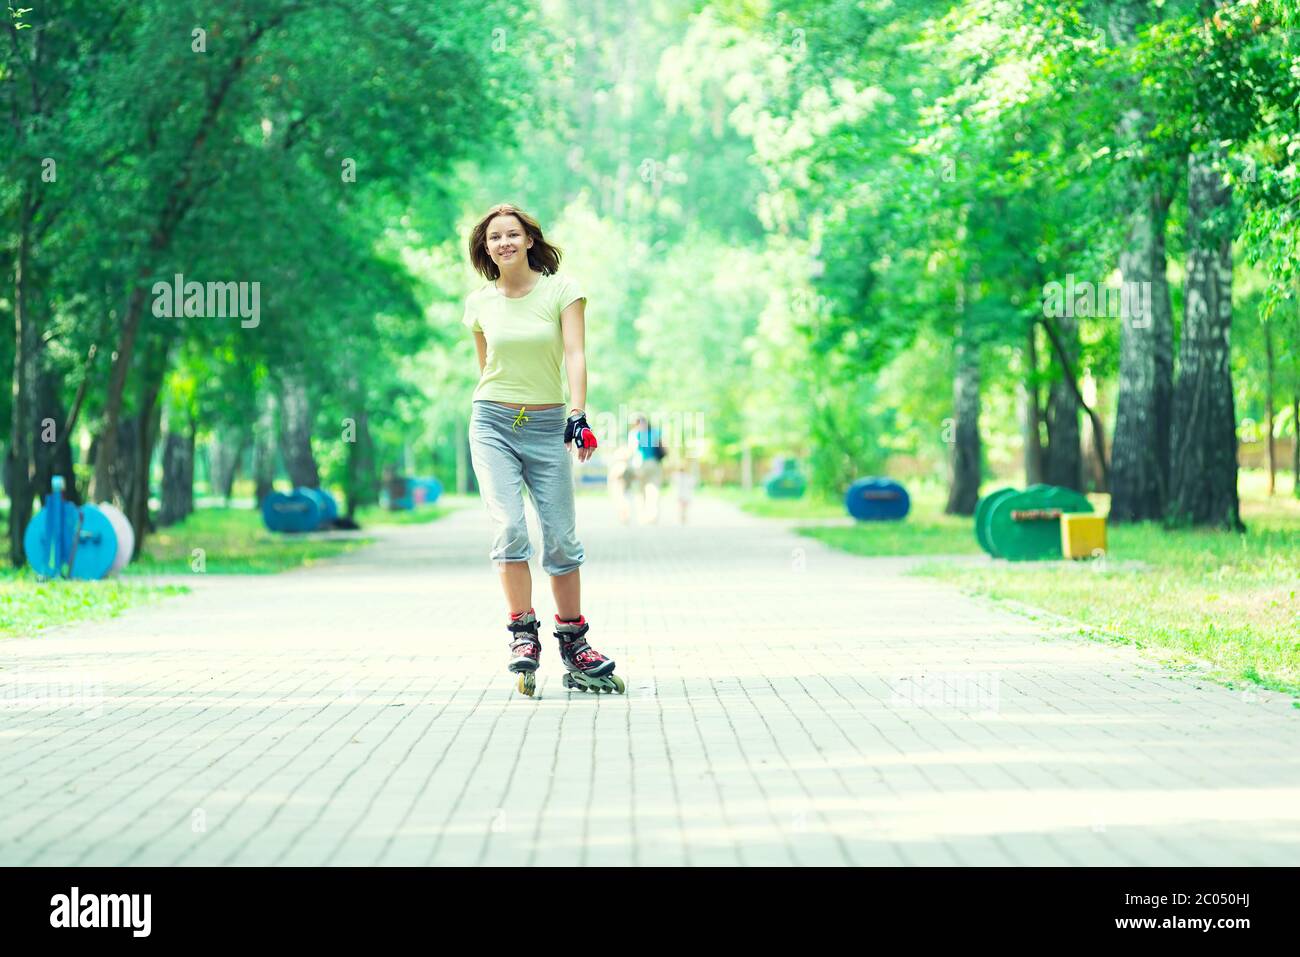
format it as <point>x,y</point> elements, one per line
<point>788,704</point>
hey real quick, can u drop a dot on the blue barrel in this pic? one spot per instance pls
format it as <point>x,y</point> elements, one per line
<point>329,506</point>
<point>875,499</point>
<point>325,504</point>
<point>295,512</point>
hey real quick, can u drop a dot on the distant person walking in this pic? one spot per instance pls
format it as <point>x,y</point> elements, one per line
<point>685,478</point>
<point>621,479</point>
<point>647,453</point>
<point>529,321</point>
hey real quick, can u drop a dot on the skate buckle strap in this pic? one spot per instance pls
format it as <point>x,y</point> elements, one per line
<point>586,658</point>
<point>525,645</point>
<point>523,635</point>
<point>579,651</point>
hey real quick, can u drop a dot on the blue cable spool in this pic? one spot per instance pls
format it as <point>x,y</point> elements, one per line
<point>294,512</point>
<point>64,541</point>
<point>876,499</point>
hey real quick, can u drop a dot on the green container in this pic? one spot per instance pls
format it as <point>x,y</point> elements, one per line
<point>1026,526</point>
<point>982,516</point>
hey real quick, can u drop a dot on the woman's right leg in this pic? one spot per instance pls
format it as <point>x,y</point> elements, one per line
<point>517,583</point>
<point>499,471</point>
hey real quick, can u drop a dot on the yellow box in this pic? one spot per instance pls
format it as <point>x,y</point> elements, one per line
<point>1082,535</point>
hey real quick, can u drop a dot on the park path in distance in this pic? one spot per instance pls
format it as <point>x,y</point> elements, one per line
<point>787,704</point>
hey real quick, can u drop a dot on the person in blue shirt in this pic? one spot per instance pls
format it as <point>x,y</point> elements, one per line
<point>647,451</point>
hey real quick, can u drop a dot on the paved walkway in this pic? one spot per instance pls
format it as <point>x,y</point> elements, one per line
<point>787,704</point>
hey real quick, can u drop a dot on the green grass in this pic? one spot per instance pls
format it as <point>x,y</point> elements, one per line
<point>921,533</point>
<point>369,515</point>
<point>1215,600</point>
<point>926,530</point>
<point>233,542</point>
<point>756,502</point>
<point>1197,599</point>
<point>29,606</point>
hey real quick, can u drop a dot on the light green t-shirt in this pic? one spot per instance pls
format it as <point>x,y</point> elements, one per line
<point>525,343</point>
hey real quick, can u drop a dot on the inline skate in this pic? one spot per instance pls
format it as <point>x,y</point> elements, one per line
<point>525,650</point>
<point>584,668</point>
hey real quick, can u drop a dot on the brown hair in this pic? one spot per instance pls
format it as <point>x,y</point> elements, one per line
<point>541,255</point>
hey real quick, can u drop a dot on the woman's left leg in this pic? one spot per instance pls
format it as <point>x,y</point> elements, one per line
<point>548,473</point>
<point>567,590</point>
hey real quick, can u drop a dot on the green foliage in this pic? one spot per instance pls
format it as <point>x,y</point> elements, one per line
<point>776,206</point>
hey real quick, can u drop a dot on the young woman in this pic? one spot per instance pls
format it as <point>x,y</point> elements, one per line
<point>527,321</point>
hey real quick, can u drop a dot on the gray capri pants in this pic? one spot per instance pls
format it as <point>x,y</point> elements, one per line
<point>507,455</point>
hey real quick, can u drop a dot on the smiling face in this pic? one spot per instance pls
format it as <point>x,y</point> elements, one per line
<point>507,242</point>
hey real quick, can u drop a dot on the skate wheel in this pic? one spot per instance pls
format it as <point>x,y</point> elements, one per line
<point>574,683</point>
<point>527,683</point>
<point>618,684</point>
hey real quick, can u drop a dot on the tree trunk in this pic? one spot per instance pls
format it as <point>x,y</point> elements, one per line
<point>1064,464</point>
<point>224,453</point>
<point>295,433</point>
<point>1268,406</point>
<point>1139,478</point>
<point>146,437</point>
<point>363,484</point>
<point>138,452</point>
<point>107,452</point>
<point>1295,445</point>
<point>146,442</point>
<point>178,477</point>
<point>1139,468</point>
<point>27,343</point>
<point>53,457</point>
<point>264,447</point>
<point>1203,487</point>
<point>1094,468</point>
<point>963,493</point>
<point>1062,353</point>
<point>121,475</point>
<point>187,485</point>
<point>1032,418</point>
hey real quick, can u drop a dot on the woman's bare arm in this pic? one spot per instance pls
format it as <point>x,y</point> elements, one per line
<point>480,343</point>
<point>573,323</point>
